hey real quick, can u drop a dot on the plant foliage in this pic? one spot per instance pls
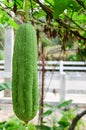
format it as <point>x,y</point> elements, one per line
<point>15,124</point>
<point>5,85</point>
<point>59,117</point>
<point>65,19</point>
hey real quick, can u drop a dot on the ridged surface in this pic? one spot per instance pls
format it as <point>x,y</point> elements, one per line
<point>24,75</point>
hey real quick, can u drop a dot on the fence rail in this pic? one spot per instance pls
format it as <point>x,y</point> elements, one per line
<point>61,67</point>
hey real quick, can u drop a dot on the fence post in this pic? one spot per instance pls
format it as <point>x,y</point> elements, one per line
<point>61,66</point>
<point>62,82</point>
<point>9,40</point>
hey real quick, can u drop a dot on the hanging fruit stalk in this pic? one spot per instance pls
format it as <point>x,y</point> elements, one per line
<point>24,73</point>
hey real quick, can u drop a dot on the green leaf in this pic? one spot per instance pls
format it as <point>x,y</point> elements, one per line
<point>5,85</point>
<point>40,14</point>
<point>63,122</point>
<point>60,6</point>
<point>43,127</point>
<point>49,3</point>
<point>2,124</point>
<point>64,104</point>
<point>46,41</point>
<point>31,127</point>
<point>84,34</point>
<point>74,5</point>
<point>59,128</point>
<point>12,23</point>
<point>47,113</point>
<point>48,105</point>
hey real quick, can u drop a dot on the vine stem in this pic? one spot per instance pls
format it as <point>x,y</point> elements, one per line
<point>26,10</point>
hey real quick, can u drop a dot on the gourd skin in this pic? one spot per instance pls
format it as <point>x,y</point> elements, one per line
<point>24,74</point>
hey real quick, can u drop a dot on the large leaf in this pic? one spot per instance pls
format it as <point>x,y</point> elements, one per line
<point>60,6</point>
<point>63,122</point>
<point>48,112</point>
<point>64,104</point>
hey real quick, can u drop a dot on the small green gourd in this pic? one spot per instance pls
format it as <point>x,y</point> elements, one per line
<point>24,73</point>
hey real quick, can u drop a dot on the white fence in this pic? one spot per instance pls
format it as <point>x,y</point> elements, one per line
<point>63,66</point>
<point>64,83</point>
<point>70,81</point>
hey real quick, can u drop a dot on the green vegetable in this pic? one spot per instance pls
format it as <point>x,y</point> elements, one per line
<point>24,74</point>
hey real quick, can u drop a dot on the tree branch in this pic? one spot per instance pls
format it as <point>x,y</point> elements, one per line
<point>45,8</point>
<point>10,14</point>
<point>3,8</point>
<point>75,23</point>
<point>76,119</point>
<point>60,21</point>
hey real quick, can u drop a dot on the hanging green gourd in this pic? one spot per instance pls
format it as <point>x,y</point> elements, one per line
<point>24,73</point>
